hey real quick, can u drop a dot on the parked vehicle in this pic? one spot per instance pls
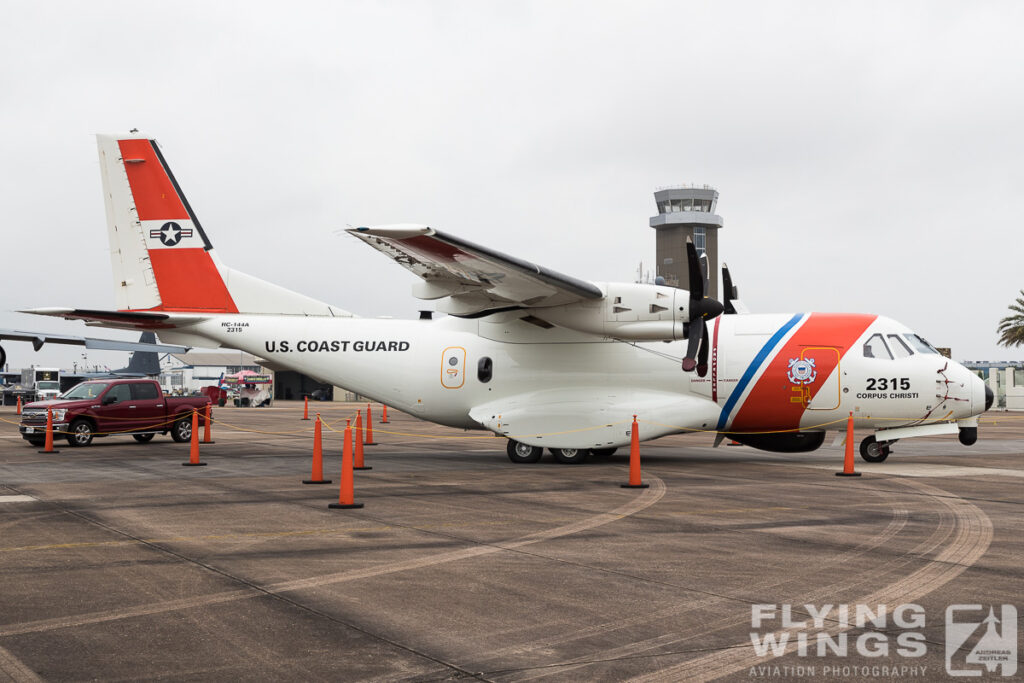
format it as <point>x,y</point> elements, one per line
<point>44,382</point>
<point>113,407</point>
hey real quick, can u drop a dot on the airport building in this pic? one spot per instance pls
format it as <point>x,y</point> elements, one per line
<point>1005,379</point>
<point>686,211</point>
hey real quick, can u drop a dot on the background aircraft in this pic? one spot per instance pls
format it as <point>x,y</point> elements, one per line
<point>143,362</point>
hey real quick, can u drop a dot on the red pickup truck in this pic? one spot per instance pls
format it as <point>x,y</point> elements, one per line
<point>112,407</point>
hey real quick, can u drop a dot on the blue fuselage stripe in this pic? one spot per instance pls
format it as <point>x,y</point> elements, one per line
<point>752,369</point>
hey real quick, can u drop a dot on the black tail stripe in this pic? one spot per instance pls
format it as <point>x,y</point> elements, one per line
<point>181,196</point>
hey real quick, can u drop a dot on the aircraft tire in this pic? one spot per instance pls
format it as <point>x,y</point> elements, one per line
<point>570,456</point>
<point>603,452</point>
<point>523,453</point>
<point>80,433</point>
<point>143,438</point>
<point>181,431</point>
<point>873,451</point>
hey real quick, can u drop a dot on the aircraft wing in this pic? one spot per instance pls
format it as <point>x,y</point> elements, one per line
<point>39,338</point>
<point>478,280</point>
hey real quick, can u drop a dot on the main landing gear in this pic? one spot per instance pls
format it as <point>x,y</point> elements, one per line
<point>873,450</point>
<point>523,453</point>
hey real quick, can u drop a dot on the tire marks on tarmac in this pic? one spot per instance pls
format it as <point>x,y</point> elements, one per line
<point>971,535</point>
<point>641,502</point>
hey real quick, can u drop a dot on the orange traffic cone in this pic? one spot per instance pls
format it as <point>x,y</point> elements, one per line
<point>193,452</point>
<point>359,465</point>
<point>48,444</point>
<point>317,475</point>
<point>384,419</point>
<point>848,458</point>
<point>206,426</point>
<point>305,408</point>
<point>346,492</point>
<point>634,459</point>
<point>18,410</point>
<point>369,427</point>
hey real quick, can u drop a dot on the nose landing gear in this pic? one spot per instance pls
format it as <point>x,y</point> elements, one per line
<point>872,450</point>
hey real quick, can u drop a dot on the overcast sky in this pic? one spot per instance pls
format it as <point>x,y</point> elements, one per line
<point>868,155</point>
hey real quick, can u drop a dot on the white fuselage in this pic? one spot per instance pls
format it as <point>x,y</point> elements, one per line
<point>558,387</point>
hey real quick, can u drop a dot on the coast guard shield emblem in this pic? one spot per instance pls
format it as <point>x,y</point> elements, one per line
<point>801,371</point>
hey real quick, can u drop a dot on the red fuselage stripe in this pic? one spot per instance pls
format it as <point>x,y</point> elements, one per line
<point>777,402</point>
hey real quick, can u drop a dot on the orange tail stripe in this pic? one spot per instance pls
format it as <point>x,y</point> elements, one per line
<point>188,280</point>
<point>154,195</point>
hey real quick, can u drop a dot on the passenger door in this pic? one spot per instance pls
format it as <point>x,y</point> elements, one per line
<point>114,413</point>
<point>826,365</point>
<point>147,406</point>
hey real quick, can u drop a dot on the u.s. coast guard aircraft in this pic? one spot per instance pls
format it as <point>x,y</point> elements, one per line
<point>545,359</point>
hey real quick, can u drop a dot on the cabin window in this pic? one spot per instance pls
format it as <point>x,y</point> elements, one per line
<point>484,370</point>
<point>899,347</point>
<point>875,348</point>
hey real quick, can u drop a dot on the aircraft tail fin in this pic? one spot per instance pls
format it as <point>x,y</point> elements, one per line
<point>162,257</point>
<point>143,362</point>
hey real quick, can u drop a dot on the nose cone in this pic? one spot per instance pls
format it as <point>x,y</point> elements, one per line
<point>981,395</point>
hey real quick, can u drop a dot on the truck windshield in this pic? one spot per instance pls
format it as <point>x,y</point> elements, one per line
<point>86,390</point>
<point>47,386</point>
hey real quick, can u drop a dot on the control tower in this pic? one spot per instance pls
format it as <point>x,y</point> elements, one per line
<point>686,211</point>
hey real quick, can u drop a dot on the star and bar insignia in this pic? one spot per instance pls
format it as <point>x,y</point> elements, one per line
<point>170,234</point>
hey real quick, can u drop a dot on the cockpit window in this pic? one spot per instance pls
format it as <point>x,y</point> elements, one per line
<point>899,347</point>
<point>919,344</point>
<point>875,348</point>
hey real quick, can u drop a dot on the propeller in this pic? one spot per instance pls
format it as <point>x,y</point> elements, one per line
<point>701,309</point>
<point>730,291</point>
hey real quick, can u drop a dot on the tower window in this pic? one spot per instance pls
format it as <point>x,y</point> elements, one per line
<point>700,239</point>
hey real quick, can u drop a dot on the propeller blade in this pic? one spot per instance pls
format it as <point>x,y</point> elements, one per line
<point>694,272</point>
<point>702,355</point>
<point>730,291</point>
<point>704,272</point>
<point>692,346</point>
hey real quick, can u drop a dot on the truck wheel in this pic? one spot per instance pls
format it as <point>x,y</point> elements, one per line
<point>37,441</point>
<point>570,456</point>
<point>143,438</point>
<point>80,433</point>
<point>523,453</point>
<point>182,430</point>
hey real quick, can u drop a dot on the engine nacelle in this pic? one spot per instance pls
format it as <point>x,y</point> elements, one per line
<point>637,312</point>
<point>792,442</point>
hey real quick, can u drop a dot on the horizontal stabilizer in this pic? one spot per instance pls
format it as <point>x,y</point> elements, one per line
<point>126,320</point>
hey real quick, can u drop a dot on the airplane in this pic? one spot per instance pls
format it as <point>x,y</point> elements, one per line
<point>144,361</point>
<point>544,359</point>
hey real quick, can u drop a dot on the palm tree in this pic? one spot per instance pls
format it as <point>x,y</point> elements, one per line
<point>1011,328</point>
